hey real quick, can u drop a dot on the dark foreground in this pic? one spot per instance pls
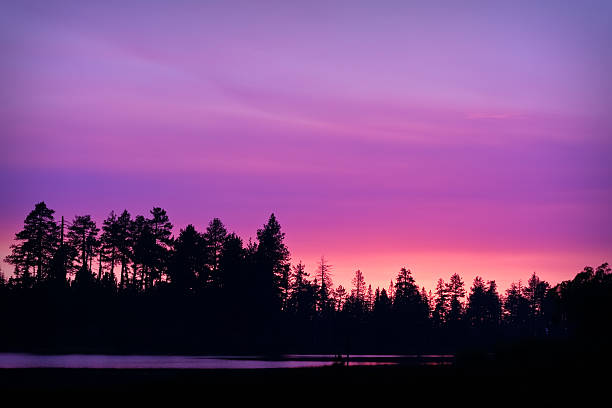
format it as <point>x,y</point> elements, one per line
<point>139,380</point>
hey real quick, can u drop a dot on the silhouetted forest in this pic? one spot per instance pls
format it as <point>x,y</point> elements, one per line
<point>131,286</point>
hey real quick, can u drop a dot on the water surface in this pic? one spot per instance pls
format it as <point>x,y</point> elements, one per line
<point>98,361</point>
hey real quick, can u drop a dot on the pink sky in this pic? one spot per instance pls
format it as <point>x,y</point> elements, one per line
<point>472,138</point>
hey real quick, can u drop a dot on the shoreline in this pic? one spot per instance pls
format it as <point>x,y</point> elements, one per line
<point>126,380</point>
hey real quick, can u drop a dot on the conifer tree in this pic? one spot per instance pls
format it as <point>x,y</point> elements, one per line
<point>35,247</point>
<point>83,239</point>
<point>109,243</point>
<point>215,237</point>
<point>324,300</point>
<point>124,243</point>
<point>359,290</point>
<point>441,304</point>
<point>161,229</point>
<point>339,297</point>
<point>456,292</point>
<point>188,259</point>
<point>272,257</point>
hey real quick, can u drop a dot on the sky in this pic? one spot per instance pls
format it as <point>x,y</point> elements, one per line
<point>446,137</point>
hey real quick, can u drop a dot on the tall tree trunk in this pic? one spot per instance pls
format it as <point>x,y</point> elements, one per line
<point>123,273</point>
<point>112,267</point>
<point>100,266</point>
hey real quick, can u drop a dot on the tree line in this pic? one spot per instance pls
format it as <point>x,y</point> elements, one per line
<point>132,286</point>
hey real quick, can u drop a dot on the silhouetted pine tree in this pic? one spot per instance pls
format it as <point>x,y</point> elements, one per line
<point>161,229</point>
<point>516,307</point>
<point>494,305</point>
<point>456,292</point>
<point>325,287</point>
<point>369,300</point>
<point>476,312</point>
<point>339,298</point>
<point>441,304</point>
<point>83,239</point>
<point>359,290</point>
<point>408,304</point>
<point>357,300</point>
<point>109,245</point>
<point>535,293</point>
<point>272,257</point>
<point>391,291</point>
<point>302,300</point>
<point>214,237</point>
<point>60,263</point>
<point>382,304</point>
<point>124,241</point>
<point>188,260</point>
<point>142,243</point>
<point>427,301</point>
<point>35,247</point>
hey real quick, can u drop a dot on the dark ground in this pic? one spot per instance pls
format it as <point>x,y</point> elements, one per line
<point>54,379</point>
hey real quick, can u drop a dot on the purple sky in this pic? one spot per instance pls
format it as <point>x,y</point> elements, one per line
<point>468,137</point>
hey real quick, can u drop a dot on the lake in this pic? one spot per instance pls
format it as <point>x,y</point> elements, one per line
<point>97,361</point>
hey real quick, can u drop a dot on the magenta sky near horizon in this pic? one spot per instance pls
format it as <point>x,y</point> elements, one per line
<point>472,138</point>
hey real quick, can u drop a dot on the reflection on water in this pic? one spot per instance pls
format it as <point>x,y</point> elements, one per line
<point>17,360</point>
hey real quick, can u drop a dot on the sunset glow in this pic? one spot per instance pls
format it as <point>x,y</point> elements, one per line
<point>470,138</point>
